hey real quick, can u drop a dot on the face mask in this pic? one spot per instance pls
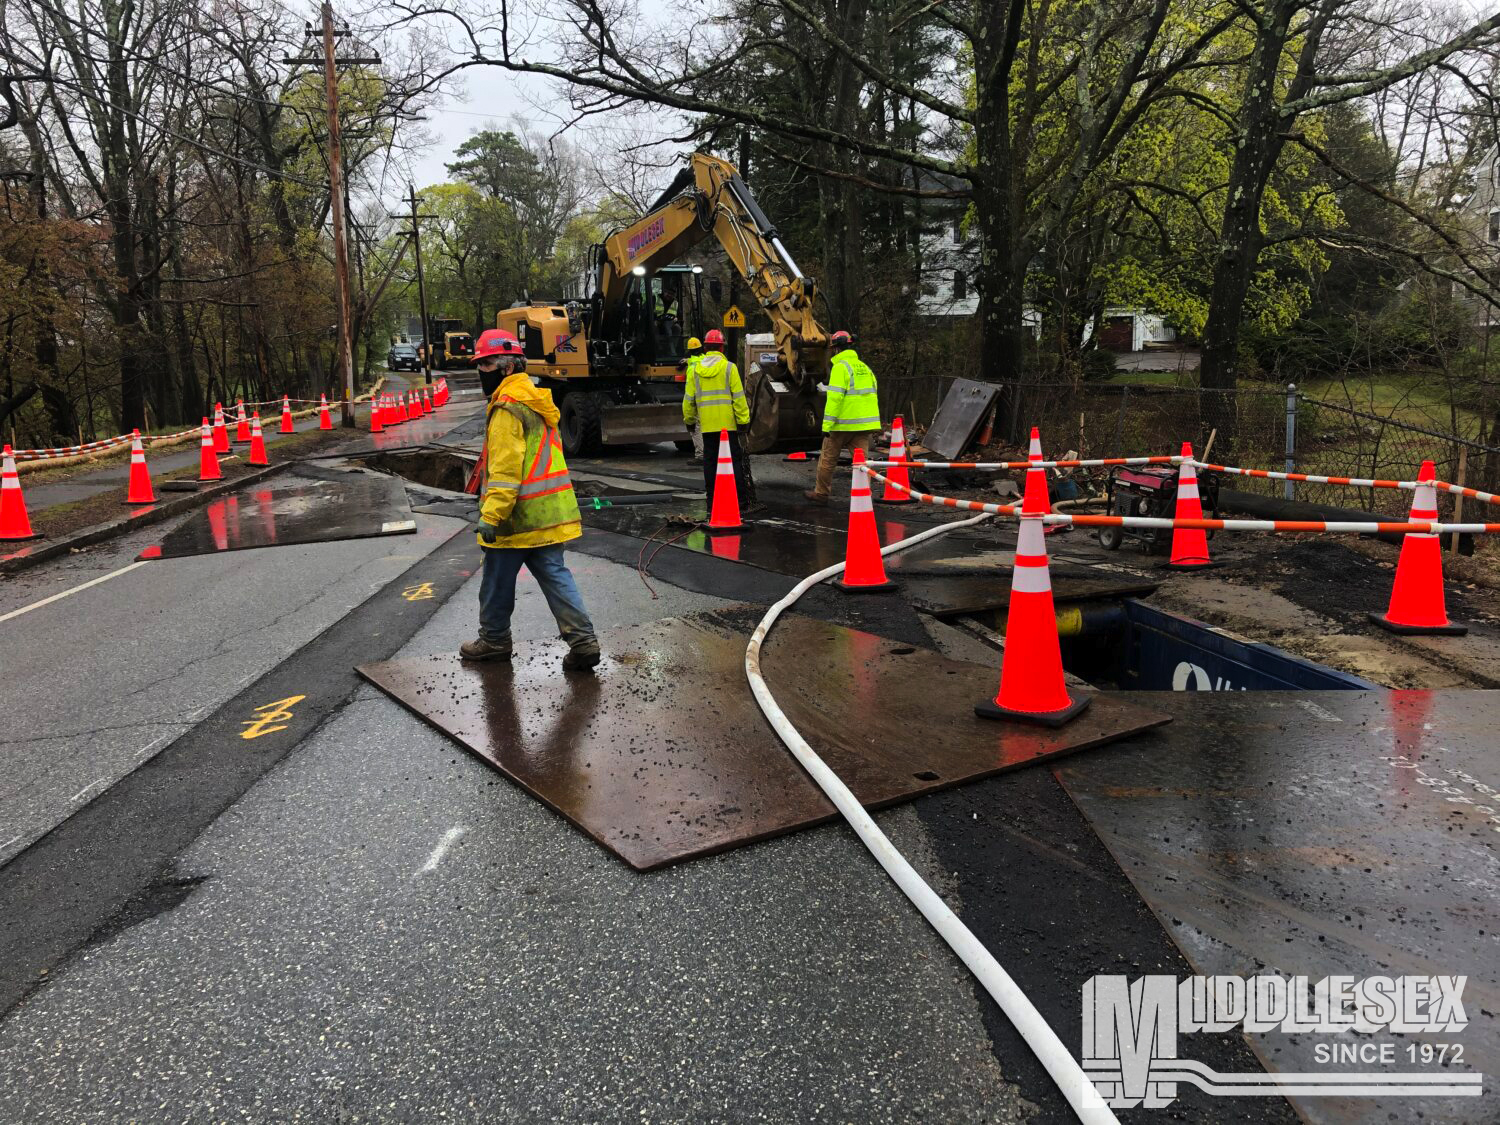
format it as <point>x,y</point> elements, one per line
<point>489,381</point>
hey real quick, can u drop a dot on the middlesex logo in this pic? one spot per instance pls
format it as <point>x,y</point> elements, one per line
<point>1131,1032</point>
<point>644,238</point>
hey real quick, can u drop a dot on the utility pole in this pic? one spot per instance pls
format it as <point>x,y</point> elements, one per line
<point>330,63</point>
<point>416,245</point>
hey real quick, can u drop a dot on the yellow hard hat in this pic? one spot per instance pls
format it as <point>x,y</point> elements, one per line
<point>694,343</point>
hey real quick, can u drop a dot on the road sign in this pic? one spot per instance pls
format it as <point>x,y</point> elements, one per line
<point>733,318</point>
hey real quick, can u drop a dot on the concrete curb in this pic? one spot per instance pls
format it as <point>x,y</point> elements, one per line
<point>143,517</point>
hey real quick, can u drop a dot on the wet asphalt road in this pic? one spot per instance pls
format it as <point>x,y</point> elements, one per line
<point>381,928</point>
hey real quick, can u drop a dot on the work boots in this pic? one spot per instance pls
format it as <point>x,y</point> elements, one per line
<point>583,655</point>
<point>481,649</point>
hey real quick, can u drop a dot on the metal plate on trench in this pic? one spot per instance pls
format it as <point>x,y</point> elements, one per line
<point>1338,833</point>
<point>953,595</point>
<point>662,754</point>
<point>294,510</point>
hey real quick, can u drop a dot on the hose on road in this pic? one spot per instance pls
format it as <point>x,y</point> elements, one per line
<point>1043,1041</point>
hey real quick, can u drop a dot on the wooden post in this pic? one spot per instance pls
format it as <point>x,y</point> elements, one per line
<point>336,206</point>
<point>1458,500</point>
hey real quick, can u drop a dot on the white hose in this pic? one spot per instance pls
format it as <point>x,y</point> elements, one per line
<point>1043,1041</point>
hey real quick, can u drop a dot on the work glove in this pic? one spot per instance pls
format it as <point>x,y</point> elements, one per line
<point>823,387</point>
<point>489,532</point>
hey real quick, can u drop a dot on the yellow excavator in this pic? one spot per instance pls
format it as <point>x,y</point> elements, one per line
<point>614,357</point>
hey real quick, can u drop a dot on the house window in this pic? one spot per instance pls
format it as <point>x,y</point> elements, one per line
<point>960,286</point>
<point>958,234</point>
<point>1495,226</point>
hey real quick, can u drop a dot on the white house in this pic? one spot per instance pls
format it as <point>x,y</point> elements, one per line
<point>1480,215</point>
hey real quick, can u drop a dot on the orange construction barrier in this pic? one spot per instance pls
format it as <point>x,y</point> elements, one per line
<point>14,522</point>
<point>725,515</point>
<point>1189,545</point>
<point>139,490</point>
<point>1032,687</point>
<point>324,421</point>
<point>864,569</point>
<point>896,474</point>
<point>286,416</point>
<point>208,460</point>
<point>221,431</point>
<point>241,423</point>
<point>1417,602</point>
<point>257,442</point>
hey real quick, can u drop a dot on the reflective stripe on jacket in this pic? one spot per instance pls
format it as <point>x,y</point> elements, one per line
<point>853,400</point>
<point>527,492</point>
<point>714,397</point>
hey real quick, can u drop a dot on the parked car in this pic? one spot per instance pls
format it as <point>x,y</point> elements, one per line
<point>403,357</point>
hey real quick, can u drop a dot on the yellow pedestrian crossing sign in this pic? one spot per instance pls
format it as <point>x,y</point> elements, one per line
<point>733,318</point>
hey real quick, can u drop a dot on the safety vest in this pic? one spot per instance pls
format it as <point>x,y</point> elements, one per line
<point>853,401</point>
<point>544,495</point>
<point>715,395</point>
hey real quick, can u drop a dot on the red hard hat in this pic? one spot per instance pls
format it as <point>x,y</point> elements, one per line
<point>497,341</point>
<point>714,337</point>
<point>841,337</point>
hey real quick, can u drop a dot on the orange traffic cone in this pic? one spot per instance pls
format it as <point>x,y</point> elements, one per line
<point>426,400</point>
<point>798,456</point>
<point>403,407</point>
<point>140,491</point>
<point>863,567</point>
<point>14,522</point>
<point>376,426</point>
<point>221,431</point>
<point>443,390</point>
<point>1189,545</point>
<point>257,442</point>
<point>1417,604</point>
<point>241,424</point>
<point>1035,498</point>
<point>726,507</point>
<point>286,416</point>
<point>208,461</point>
<point>324,421</point>
<point>896,474</point>
<point>1032,688</point>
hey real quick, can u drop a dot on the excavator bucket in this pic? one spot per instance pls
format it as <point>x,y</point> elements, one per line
<point>642,424</point>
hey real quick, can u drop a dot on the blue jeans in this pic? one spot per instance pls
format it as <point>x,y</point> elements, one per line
<point>497,591</point>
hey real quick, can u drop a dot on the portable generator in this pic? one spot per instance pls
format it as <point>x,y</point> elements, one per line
<point>1151,490</point>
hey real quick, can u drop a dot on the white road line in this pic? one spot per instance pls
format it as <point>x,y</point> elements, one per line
<point>86,788</point>
<point>9,842</point>
<point>74,590</point>
<point>450,838</point>
<point>1320,711</point>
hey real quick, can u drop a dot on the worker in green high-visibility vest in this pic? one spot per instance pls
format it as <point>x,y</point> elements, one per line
<point>851,416</point>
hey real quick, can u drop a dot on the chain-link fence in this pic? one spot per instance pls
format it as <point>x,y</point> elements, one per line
<point>1254,427</point>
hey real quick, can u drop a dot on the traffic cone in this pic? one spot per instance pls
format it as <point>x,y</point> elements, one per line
<point>208,460</point>
<point>376,426</point>
<point>426,400</point>
<point>864,570</point>
<point>140,491</point>
<point>726,508</point>
<point>403,408</point>
<point>1032,688</point>
<point>798,456</point>
<point>1189,546</point>
<point>286,416</point>
<point>221,431</point>
<point>440,396</point>
<point>14,522</point>
<point>324,421</point>
<point>257,442</point>
<point>241,425</point>
<point>1035,498</point>
<point>1417,604</point>
<point>896,474</point>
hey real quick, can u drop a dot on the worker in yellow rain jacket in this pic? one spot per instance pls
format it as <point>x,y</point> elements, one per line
<point>851,416</point>
<point>527,509</point>
<point>714,400</point>
<point>694,353</point>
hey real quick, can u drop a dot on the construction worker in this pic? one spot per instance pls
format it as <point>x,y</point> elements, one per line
<point>715,400</point>
<point>527,508</point>
<point>851,416</point>
<point>694,350</point>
